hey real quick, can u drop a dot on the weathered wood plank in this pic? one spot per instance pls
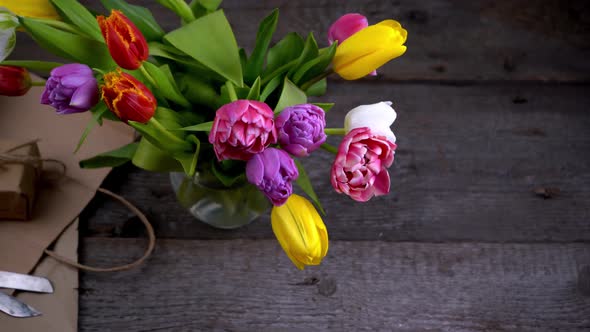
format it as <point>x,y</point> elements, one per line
<point>361,286</point>
<point>467,162</point>
<point>448,40</point>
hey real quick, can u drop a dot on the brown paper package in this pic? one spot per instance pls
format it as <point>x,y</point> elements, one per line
<point>18,182</point>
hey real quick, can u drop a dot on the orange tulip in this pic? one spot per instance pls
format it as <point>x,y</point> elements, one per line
<point>126,44</point>
<point>128,98</point>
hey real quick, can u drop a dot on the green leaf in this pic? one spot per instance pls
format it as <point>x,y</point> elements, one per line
<point>112,158</point>
<point>205,126</point>
<point>270,88</point>
<point>319,88</point>
<point>98,111</point>
<point>263,37</point>
<point>38,66</point>
<point>310,51</point>
<point>166,84</point>
<point>68,45</point>
<point>198,92</point>
<point>314,67</point>
<point>286,50</point>
<point>140,16</point>
<point>152,159</point>
<point>226,179</point>
<point>210,41</point>
<point>291,95</point>
<point>79,16</point>
<point>325,106</point>
<point>189,161</point>
<point>330,148</point>
<point>172,53</point>
<point>254,93</point>
<point>180,7</point>
<point>305,184</point>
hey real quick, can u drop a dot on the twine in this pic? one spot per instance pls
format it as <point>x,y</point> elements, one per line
<point>147,253</point>
<point>8,157</point>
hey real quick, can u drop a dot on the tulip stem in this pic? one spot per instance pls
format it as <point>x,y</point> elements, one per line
<point>314,80</point>
<point>231,91</point>
<point>334,131</point>
<point>329,148</point>
<point>147,75</point>
<point>38,83</point>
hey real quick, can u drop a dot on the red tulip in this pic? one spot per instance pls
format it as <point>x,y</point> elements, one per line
<point>126,44</point>
<point>128,98</point>
<point>14,81</point>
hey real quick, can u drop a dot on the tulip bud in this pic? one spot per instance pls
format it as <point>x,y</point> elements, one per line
<point>8,24</point>
<point>300,231</point>
<point>369,49</point>
<point>126,44</point>
<point>346,26</point>
<point>31,8</point>
<point>128,98</point>
<point>378,117</point>
<point>14,81</point>
<point>272,171</point>
<point>70,89</point>
<point>301,129</point>
<point>242,129</point>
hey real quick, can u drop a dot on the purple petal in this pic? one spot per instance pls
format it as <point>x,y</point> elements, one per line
<point>74,81</point>
<point>86,96</point>
<point>72,69</point>
<point>255,170</point>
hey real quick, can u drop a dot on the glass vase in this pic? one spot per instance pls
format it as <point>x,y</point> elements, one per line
<point>211,202</point>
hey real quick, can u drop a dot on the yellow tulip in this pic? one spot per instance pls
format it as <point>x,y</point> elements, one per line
<point>369,49</point>
<point>300,231</point>
<point>31,8</point>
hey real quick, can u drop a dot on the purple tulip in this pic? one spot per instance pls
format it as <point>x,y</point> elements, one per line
<point>301,129</point>
<point>272,171</point>
<point>70,89</point>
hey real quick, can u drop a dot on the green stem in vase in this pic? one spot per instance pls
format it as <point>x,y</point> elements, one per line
<point>335,131</point>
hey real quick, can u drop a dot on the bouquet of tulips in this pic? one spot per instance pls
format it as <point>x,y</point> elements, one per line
<point>201,103</point>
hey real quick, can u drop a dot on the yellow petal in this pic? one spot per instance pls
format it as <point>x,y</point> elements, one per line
<point>369,49</point>
<point>300,231</point>
<point>31,8</point>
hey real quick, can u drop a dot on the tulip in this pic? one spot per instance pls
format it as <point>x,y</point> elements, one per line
<point>8,25</point>
<point>369,49</point>
<point>242,129</point>
<point>378,117</point>
<point>14,81</point>
<point>126,44</point>
<point>346,26</point>
<point>301,129</point>
<point>31,8</point>
<point>272,171</point>
<point>70,89</point>
<point>300,231</point>
<point>128,98</point>
<point>360,167</point>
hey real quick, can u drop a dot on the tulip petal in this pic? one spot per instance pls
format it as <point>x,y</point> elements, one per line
<point>86,95</point>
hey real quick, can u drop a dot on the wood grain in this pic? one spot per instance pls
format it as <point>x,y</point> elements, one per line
<point>448,39</point>
<point>468,161</point>
<point>246,285</point>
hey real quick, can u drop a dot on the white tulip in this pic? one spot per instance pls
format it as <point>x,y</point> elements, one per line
<point>379,117</point>
<point>8,25</point>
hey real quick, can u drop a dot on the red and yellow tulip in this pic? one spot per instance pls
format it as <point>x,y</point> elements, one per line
<point>128,98</point>
<point>14,81</point>
<point>126,44</point>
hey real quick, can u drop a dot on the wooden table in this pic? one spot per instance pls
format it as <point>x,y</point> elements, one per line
<point>487,227</point>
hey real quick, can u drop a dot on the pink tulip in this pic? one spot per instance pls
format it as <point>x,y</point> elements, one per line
<point>360,167</point>
<point>242,129</point>
<point>346,26</point>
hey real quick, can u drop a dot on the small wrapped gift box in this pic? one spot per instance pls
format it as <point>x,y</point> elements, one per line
<point>20,167</point>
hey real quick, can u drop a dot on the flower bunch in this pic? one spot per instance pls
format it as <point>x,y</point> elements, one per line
<point>202,105</point>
